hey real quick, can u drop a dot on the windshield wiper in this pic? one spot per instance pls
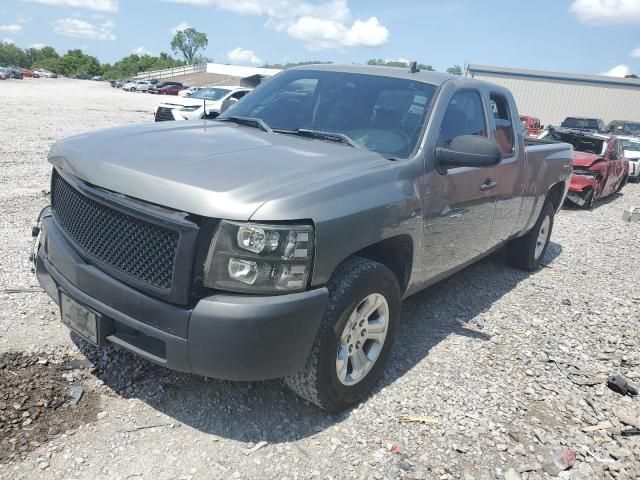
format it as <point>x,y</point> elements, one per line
<point>249,122</point>
<point>331,136</point>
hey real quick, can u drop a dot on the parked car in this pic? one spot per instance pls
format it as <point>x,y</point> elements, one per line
<point>585,124</point>
<point>160,85</point>
<point>83,76</point>
<point>170,90</point>
<point>631,147</point>
<point>97,78</point>
<point>45,73</point>
<point>531,124</point>
<point>624,127</point>
<point>187,92</point>
<point>27,73</point>
<point>137,86</point>
<point>15,73</point>
<point>280,239</point>
<point>600,168</point>
<point>4,73</point>
<point>206,103</point>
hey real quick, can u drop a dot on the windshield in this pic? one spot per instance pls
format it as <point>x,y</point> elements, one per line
<point>632,128</point>
<point>210,93</point>
<point>628,145</point>
<point>382,114</point>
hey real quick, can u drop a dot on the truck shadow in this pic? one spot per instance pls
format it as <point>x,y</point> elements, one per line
<point>256,411</point>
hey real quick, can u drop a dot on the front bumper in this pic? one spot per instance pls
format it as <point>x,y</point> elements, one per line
<point>231,337</point>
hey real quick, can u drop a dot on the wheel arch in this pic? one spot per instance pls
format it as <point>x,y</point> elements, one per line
<point>556,193</point>
<point>395,253</point>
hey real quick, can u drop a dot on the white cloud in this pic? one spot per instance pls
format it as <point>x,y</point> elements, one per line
<point>37,46</point>
<point>141,51</point>
<point>240,56</point>
<point>8,41</point>
<point>11,28</point>
<point>319,34</point>
<point>76,28</point>
<point>606,12</point>
<point>317,25</point>
<point>109,6</point>
<point>178,28</point>
<point>618,71</point>
<point>635,53</point>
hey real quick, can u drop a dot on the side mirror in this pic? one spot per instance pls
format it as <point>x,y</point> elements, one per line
<point>228,103</point>
<point>468,151</point>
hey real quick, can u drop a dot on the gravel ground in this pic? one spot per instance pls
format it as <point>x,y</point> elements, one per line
<point>506,368</point>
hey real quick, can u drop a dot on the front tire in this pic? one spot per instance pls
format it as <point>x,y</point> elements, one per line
<point>527,252</point>
<point>623,182</point>
<point>354,338</point>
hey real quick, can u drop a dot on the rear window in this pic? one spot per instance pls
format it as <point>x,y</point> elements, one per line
<point>581,123</point>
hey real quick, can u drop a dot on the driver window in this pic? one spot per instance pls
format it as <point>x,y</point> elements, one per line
<point>504,127</point>
<point>464,116</point>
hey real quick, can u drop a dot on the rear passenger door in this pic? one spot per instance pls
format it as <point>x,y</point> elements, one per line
<point>460,203</point>
<point>510,172</point>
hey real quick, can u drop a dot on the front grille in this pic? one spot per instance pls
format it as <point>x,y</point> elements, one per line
<point>163,114</point>
<point>139,249</point>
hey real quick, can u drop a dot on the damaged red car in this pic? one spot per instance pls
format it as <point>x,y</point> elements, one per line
<point>599,166</point>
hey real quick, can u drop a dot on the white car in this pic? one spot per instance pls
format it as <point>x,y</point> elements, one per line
<point>631,146</point>
<point>137,86</point>
<point>45,73</point>
<point>206,103</point>
<point>187,92</point>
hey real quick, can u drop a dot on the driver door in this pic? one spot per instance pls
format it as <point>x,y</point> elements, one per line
<point>460,203</point>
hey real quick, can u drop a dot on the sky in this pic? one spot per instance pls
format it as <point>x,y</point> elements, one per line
<point>581,36</point>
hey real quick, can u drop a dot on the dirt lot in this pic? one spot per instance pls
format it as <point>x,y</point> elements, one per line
<point>508,367</point>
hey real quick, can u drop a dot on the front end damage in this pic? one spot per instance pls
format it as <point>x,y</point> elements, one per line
<point>584,187</point>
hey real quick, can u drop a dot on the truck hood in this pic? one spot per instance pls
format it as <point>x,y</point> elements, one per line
<point>582,159</point>
<point>213,169</point>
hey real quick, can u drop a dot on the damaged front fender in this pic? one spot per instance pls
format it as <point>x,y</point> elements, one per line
<point>583,188</point>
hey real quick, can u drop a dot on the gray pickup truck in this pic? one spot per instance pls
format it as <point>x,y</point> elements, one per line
<point>279,240</point>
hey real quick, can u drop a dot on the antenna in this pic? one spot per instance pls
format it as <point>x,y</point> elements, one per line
<point>414,67</point>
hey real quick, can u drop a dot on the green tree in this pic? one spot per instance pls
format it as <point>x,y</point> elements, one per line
<point>427,68</point>
<point>12,56</point>
<point>189,42</point>
<point>455,70</point>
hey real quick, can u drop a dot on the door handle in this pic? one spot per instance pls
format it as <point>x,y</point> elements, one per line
<point>488,184</point>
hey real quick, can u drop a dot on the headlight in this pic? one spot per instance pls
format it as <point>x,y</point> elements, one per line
<point>256,258</point>
<point>190,108</point>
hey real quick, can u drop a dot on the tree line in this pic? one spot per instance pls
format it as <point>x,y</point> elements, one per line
<point>76,62</point>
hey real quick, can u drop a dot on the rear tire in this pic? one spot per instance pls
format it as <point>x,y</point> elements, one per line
<point>364,300</point>
<point>527,252</point>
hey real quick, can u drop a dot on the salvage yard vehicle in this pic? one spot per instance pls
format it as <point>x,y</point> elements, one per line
<point>280,239</point>
<point>600,168</point>
<point>595,125</point>
<point>631,147</point>
<point>624,127</point>
<point>205,103</point>
<point>531,124</point>
<point>4,73</point>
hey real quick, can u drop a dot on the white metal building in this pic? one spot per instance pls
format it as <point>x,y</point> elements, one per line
<point>552,96</point>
